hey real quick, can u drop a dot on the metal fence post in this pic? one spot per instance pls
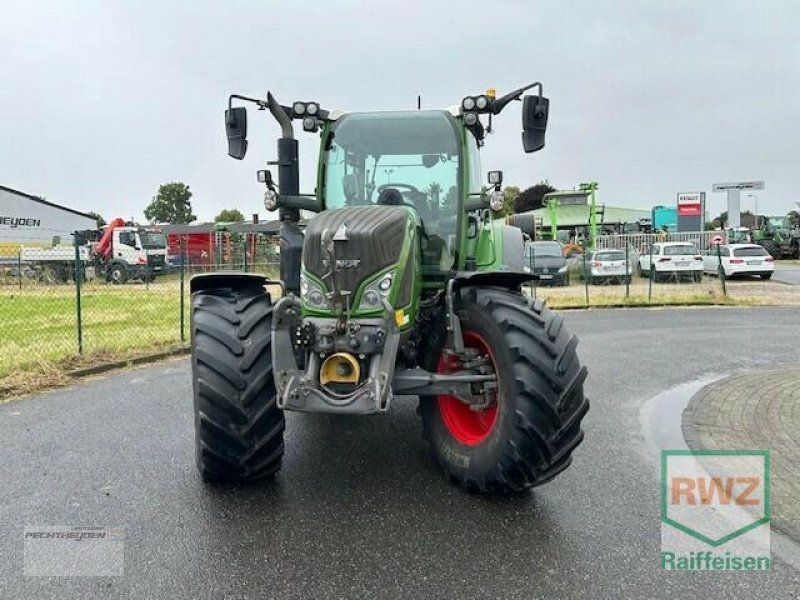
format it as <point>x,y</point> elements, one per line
<point>532,266</point>
<point>721,272</point>
<point>246,245</point>
<point>628,270</point>
<point>586,275</point>
<point>651,276</point>
<point>78,277</point>
<point>19,267</point>
<point>183,273</point>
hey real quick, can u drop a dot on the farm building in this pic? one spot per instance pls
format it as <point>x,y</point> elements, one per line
<point>27,220</point>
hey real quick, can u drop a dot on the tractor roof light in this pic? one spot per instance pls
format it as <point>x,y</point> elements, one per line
<point>312,108</point>
<point>298,109</point>
<point>468,103</point>
<point>470,119</point>
<point>310,124</point>
<point>481,102</point>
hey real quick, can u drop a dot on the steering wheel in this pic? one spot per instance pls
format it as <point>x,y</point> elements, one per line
<point>407,186</point>
<point>422,205</point>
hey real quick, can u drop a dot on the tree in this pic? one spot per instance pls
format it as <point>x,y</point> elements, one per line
<point>531,198</point>
<point>100,220</point>
<point>229,215</point>
<point>510,195</point>
<point>171,205</point>
<point>794,217</point>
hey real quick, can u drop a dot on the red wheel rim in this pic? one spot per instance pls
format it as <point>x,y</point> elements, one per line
<point>469,427</point>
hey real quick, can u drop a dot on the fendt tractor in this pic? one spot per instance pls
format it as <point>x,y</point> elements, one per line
<point>404,284</point>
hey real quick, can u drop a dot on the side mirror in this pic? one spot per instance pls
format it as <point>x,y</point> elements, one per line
<point>236,130</point>
<point>534,122</point>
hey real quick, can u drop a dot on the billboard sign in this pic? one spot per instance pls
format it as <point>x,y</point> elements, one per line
<point>690,204</point>
<point>738,186</point>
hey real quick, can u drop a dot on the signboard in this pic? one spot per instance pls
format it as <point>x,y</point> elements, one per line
<point>690,204</point>
<point>741,185</point>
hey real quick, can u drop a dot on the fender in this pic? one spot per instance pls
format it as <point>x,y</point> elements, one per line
<point>228,279</point>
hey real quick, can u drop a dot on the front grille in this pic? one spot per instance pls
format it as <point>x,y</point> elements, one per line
<point>375,237</point>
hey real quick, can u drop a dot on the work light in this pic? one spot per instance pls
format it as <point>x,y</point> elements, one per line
<point>468,103</point>
<point>470,118</point>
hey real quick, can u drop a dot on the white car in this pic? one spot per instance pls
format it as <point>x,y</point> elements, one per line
<point>671,260</point>
<point>739,259</point>
<point>606,266</point>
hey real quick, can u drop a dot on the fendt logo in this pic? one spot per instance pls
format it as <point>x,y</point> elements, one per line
<point>715,508</point>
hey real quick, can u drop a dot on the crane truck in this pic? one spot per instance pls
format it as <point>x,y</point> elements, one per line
<point>122,252</point>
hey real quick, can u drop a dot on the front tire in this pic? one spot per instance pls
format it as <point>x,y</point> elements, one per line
<point>238,426</point>
<point>527,436</point>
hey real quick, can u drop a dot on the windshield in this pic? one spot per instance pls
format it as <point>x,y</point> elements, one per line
<point>399,158</point>
<point>545,249</point>
<point>153,240</point>
<point>681,250</point>
<point>750,251</point>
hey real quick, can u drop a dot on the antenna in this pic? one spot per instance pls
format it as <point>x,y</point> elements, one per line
<point>419,102</point>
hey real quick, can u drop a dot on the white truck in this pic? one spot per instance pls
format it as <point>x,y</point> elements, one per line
<point>123,252</point>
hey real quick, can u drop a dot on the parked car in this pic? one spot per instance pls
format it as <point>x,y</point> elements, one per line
<point>739,259</point>
<point>672,260</point>
<point>606,266</point>
<point>546,259</point>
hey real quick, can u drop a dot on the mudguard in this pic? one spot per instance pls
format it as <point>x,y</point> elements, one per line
<point>228,279</point>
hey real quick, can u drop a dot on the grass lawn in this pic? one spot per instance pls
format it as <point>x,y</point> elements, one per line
<point>40,326</point>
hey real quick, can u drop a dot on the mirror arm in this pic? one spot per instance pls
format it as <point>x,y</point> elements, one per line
<point>501,102</point>
<point>281,113</point>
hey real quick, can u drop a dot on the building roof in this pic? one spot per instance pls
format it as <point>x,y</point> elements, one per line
<point>578,215</point>
<point>267,227</point>
<point>43,201</point>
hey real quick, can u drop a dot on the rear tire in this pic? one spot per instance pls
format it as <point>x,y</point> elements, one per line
<point>238,426</point>
<point>540,401</point>
<point>698,277</point>
<point>765,275</point>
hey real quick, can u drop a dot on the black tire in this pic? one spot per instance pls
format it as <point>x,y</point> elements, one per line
<point>540,402</point>
<point>238,426</point>
<point>765,275</point>
<point>698,277</point>
<point>772,248</point>
<point>117,273</point>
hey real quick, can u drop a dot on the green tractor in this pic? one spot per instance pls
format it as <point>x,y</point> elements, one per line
<point>778,236</point>
<point>403,284</point>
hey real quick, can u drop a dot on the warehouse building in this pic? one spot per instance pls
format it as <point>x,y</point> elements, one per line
<point>27,220</point>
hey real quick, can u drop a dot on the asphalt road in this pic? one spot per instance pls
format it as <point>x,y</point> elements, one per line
<point>787,273</point>
<point>359,509</point>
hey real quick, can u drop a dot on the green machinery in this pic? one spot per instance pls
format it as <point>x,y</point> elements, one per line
<point>778,236</point>
<point>405,283</point>
<point>584,195</point>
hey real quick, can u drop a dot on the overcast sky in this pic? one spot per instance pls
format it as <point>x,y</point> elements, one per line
<point>103,101</point>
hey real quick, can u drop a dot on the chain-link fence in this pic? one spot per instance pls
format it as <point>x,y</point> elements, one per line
<point>62,303</point>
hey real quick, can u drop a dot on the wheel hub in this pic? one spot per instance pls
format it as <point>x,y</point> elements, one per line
<point>468,424</point>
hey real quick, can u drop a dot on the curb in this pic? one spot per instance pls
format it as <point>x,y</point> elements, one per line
<point>128,362</point>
